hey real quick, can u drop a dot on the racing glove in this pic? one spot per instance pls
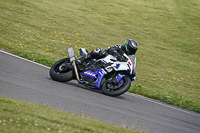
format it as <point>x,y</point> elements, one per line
<point>120,57</point>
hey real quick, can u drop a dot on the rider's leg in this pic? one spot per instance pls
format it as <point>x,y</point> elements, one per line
<point>97,53</point>
<point>80,60</point>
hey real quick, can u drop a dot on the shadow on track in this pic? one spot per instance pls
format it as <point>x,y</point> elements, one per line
<point>75,83</point>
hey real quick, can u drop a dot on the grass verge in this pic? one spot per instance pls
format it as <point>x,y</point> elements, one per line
<point>22,117</point>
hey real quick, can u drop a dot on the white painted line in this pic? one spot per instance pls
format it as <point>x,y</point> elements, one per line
<point>24,59</point>
<point>147,99</point>
<point>165,104</point>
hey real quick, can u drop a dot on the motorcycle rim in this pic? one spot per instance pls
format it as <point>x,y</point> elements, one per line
<point>116,90</point>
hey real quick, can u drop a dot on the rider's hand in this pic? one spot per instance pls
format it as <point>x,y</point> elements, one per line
<point>121,58</point>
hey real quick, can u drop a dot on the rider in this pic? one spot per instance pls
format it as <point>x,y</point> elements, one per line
<point>130,47</point>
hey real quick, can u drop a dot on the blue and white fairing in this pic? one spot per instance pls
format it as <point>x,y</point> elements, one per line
<point>99,73</point>
<point>129,65</point>
<point>116,65</point>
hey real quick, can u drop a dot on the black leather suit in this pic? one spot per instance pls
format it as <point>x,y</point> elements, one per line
<point>117,51</point>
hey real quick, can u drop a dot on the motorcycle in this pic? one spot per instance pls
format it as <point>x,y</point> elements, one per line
<point>107,74</point>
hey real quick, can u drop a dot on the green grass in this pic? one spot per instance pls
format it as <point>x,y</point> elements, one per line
<point>22,117</point>
<point>167,32</point>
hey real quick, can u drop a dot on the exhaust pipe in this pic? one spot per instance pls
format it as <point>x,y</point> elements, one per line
<point>72,59</point>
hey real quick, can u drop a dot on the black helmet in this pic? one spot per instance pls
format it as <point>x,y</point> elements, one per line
<point>131,47</point>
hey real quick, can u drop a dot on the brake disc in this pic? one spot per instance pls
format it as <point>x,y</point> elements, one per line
<point>115,85</point>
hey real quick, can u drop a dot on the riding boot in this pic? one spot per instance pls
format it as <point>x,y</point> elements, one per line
<point>80,61</point>
<point>83,59</point>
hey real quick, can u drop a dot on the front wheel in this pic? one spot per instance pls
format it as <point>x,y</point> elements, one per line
<point>59,71</point>
<point>116,89</point>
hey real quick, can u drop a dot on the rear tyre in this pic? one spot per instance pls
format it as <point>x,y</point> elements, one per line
<point>59,72</point>
<point>116,89</point>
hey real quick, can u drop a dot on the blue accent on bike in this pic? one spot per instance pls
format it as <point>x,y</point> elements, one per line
<point>120,76</point>
<point>101,73</point>
<point>134,74</point>
<point>117,66</point>
<point>90,73</point>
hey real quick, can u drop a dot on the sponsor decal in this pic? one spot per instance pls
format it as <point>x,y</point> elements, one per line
<point>117,66</point>
<point>90,74</point>
<point>100,76</point>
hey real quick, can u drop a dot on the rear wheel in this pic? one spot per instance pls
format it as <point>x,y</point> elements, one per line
<point>60,72</point>
<point>114,88</point>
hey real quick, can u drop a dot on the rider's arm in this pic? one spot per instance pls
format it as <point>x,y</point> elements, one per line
<point>117,51</point>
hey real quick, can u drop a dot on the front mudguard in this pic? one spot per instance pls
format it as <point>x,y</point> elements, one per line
<point>120,76</point>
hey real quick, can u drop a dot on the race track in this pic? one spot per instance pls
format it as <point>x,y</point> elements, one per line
<point>29,81</point>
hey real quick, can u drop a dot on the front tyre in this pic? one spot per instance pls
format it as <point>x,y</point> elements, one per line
<point>116,89</point>
<point>59,72</point>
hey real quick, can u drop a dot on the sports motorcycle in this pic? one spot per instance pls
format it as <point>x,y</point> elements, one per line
<point>107,74</point>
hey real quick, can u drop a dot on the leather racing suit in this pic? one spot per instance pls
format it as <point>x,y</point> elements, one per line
<point>116,50</point>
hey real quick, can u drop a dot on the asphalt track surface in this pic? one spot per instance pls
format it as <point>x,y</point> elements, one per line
<point>28,81</point>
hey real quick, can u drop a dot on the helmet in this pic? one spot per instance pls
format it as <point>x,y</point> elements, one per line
<point>131,47</point>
